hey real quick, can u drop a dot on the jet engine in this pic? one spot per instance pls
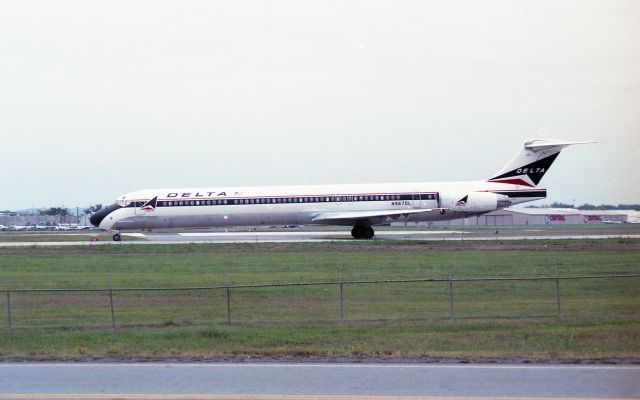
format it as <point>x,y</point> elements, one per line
<point>474,202</point>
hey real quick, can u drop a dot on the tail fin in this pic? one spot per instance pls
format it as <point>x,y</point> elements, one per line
<point>530,164</point>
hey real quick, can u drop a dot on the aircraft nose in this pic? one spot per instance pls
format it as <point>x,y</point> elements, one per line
<point>99,216</point>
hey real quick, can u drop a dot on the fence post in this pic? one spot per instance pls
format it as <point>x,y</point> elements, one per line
<point>9,310</point>
<point>341,297</point>
<point>228,305</point>
<point>555,262</point>
<point>451,314</point>
<point>113,313</point>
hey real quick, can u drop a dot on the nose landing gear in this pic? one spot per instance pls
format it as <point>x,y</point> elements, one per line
<point>116,236</point>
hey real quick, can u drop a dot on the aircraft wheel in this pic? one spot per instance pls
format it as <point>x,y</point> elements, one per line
<point>368,233</point>
<point>362,232</point>
<point>116,237</point>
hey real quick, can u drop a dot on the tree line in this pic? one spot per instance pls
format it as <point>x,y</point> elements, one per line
<point>65,211</point>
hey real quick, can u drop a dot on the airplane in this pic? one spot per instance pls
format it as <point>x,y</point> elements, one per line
<point>360,206</point>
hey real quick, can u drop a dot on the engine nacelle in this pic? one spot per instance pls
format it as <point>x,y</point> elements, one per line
<point>473,202</point>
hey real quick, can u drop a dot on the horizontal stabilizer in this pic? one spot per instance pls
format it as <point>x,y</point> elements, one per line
<point>542,144</point>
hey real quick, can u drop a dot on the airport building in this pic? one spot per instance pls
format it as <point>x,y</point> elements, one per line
<point>542,216</point>
<point>11,219</point>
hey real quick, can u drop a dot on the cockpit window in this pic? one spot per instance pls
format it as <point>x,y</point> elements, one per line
<point>123,202</point>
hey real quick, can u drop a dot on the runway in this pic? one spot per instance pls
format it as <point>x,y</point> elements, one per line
<point>296,236</point>
<point>315,381</point>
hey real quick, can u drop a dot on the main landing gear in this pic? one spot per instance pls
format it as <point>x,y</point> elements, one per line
<point>362,231</point>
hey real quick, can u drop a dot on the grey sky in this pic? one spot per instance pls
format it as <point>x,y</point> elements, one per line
<point>101,98</point>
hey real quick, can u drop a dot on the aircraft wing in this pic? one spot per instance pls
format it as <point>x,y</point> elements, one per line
<point>373,215</point>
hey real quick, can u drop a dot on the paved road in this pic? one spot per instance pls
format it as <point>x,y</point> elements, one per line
<point>305,381</point>
<point>322,236</point>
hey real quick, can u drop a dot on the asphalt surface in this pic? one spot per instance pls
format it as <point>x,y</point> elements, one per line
<point>322,236</point>
<point>159,380</point>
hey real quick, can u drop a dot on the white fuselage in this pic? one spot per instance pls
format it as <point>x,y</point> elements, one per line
<point>360,206</point>
<point>308,205</point>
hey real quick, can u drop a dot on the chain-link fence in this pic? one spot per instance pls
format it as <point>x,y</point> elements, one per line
<point>595,297</point>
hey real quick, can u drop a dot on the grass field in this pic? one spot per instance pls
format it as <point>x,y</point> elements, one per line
<point>510,319</point>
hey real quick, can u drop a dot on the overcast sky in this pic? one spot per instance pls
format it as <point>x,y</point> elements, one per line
<point>99,98</point>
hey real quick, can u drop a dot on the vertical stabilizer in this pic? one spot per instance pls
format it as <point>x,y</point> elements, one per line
<point>530,164</point>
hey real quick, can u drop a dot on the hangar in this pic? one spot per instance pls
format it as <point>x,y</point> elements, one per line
<point>539,216</point>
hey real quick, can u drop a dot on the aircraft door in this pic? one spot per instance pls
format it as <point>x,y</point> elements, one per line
<point>137,209</point>
<point>416,200</point>
<point>429,200</point>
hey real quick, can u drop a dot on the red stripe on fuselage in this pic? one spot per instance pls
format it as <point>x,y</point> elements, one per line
<point>514,182</point>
